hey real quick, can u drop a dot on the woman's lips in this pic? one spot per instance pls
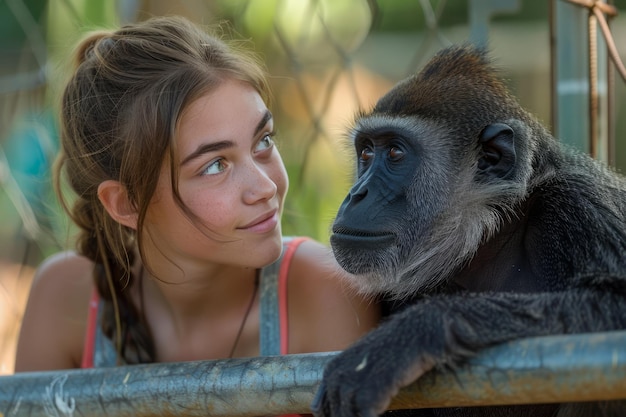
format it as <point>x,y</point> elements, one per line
<point>263,223</point>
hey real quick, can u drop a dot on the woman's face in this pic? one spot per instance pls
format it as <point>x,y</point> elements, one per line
<point>231,177</point>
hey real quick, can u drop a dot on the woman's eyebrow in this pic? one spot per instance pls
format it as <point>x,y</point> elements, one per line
<point>267,116</point>
<point>206,148</point>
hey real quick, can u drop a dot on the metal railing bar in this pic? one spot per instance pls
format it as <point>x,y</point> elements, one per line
<point>568,368</point>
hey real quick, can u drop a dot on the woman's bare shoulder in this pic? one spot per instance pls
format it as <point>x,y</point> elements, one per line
<point>315,255</point>
<point>64,274</point>
<point>314,263</point>
<point>330,312</point>
<point>64,265</point>
<point>54,322</point>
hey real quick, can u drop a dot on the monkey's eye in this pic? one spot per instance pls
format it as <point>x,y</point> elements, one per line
<point>366,154</point>
<point>395,153</point>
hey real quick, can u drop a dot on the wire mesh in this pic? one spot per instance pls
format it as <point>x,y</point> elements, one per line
<point>328,59</point>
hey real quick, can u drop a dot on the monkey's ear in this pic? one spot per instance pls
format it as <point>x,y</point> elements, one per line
<point>113,196</point>
<point>498,151</point>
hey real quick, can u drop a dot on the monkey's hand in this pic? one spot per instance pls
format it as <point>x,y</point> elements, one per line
<point>438,332</point>
<point>362,380</point>
<point>443,332</point>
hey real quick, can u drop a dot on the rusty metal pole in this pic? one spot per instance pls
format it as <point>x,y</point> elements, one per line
<point>537,370</point>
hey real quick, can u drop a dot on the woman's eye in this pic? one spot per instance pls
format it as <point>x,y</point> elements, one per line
<point>265,143</point>
<point>215,167</point>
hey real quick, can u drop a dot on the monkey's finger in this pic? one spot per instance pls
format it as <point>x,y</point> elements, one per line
<point>365,404</point>
<point>317,405</point>
<point>327,401</point>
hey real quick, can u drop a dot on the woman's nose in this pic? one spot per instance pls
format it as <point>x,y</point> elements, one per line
<point>260,185</point>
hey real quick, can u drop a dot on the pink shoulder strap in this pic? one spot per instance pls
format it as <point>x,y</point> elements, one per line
<point>283,274</point>
<point>90,335</point>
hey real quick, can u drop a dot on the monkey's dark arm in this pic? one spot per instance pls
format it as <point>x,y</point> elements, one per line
<point>443,332</point>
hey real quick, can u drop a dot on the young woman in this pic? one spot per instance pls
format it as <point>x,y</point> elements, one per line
<point>168,146</point>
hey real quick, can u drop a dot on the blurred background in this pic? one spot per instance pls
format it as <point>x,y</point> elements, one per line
<point>328,59</point>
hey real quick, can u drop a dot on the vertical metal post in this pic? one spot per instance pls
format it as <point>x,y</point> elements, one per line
<point>480,13</point>
<point>570,82</point>
<point>580,100</point>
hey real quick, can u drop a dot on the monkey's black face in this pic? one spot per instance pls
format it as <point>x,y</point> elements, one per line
<point>367,222</point>
<point>390,207</point>
<point>419,195</point>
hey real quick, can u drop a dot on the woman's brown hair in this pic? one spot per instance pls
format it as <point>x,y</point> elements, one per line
<point>119,115</point>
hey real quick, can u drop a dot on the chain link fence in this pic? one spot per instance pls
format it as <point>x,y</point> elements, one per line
<point>327,59</point>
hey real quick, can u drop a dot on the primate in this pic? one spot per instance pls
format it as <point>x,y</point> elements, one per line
<point>480,227</point>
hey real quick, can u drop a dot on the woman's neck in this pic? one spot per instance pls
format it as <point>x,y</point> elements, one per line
<point>202,316</point>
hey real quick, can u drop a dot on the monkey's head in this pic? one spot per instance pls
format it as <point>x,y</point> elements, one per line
<point>442,159</point>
